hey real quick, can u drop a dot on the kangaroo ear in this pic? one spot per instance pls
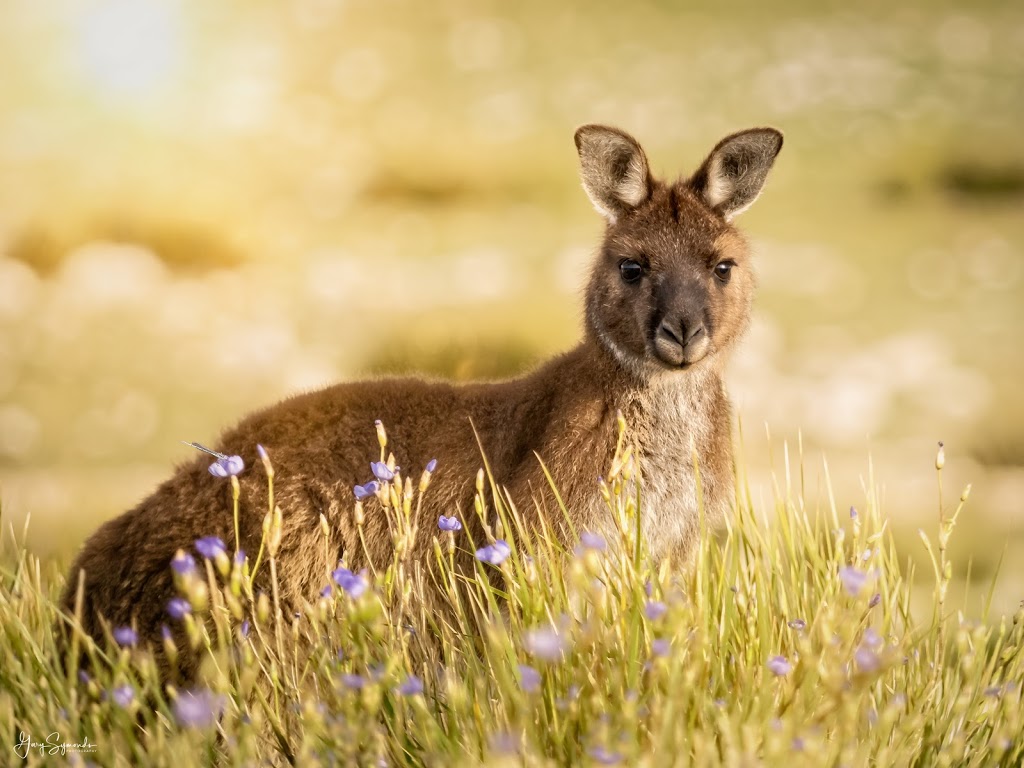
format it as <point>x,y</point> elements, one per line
<point>732,176</point>
<point>613,169</point>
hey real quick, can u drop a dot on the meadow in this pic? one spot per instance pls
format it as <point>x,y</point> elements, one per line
<point>790,640</point>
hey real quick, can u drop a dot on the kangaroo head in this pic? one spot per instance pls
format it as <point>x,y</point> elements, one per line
<point>672,284</point>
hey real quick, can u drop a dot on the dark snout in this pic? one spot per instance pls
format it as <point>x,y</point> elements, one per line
<point>681,336</point>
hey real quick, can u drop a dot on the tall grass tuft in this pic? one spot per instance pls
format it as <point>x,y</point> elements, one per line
<point>788,639</point>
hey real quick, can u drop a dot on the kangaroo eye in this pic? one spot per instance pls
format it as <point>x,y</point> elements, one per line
<point>630,270</point>
<point>723,270</point>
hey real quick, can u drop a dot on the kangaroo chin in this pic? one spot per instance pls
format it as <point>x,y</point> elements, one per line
<point>668,297</point>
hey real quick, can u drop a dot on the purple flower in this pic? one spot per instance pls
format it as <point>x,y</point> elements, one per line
<point>353,583</point>
<point>123,696</point>
<point>529,678</point>
<point>449,523</point>
<point>365,491</point>
<point>240,557</point>
<point>867,660</point>
<point>798,744</point>
<point>210,547</point>
<point>165,632</point>
<point>604,756</point>
<point>660,647</point>
<point>382,472</point>
<point>853,579</point>
<point>412,686</point>
<point>594,541</point>
<point>326,591</point>
<point>177,607</point>
<point>544,643</point>
<point>83,677</point>
<point>198,709</point>
<point>875,600</point>
<point>183,563</point>
<point>655,609</point>
<point>227,466</point>
<point>125,636</point>
<point>245,628</point>
<point>353,682</point>
<point>494,554</point>
<point>798,624</point>
<point>853,513</point>
<point>779,666</point>
<point>871,638</point>
<point>262,452</point>
<point>431,465</point>
<point>505,743</point>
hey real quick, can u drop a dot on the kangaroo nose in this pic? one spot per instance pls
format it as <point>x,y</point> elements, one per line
<point>682,334</point>
<point>692,333</point>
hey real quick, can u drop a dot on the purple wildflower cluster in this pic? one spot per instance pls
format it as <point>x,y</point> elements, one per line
<point>544,643</point>
<point>605,756</point>
<point>126,637</point>
<point>655,609</point>
<point>353,681</point>
<point>227,466</point>
<point>411,686</point>
<point>382,471</point>
<point>354,584</point>
<point>853,579</point>
<point>123,696</point>
<point>178,608</point>
<point>494,554</point>
<point>210,547</point>
<point>366,491</point>
<point>866,655</point>
<point>198,708</point>
<point>183,563</point>
<point>590,542</point>
<point>449,523</point>
<point>529,678</point>
<point>779,666</point>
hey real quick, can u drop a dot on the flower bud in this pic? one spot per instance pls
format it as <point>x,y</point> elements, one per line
<point>265,458</point>
<point>199,596</point>
<point>382,436</point>
<point>170,649</point>
<point>360,516</point>
<point>966,494</point>
<point>222,562</point>
<point>940,457</point>
<point>274,542</point>
<point>325,527</point>
<point>234,606</point>
<point>262,608</point>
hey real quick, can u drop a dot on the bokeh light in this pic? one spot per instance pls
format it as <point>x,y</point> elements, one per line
<point>208,206</point>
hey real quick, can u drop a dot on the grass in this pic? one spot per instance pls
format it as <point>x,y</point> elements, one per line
<point>789,639</point>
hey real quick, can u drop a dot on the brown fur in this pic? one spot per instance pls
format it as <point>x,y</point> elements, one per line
<point>321,443</point>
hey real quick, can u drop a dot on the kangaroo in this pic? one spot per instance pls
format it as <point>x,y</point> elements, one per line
<point>669,295</point>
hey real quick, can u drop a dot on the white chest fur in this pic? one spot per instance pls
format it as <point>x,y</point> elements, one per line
<point>671,422</point>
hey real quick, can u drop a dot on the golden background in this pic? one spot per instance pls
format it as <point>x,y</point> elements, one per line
<point>207,206</point>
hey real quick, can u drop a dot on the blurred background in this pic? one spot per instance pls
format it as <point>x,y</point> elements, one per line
<point>207,206</point>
